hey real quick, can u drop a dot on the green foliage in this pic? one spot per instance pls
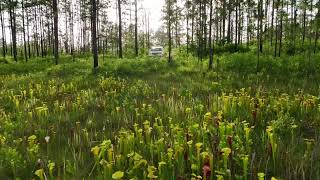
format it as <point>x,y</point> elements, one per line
<point>145,119</point>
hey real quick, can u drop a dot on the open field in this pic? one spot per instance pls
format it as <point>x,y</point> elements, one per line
<point>145,118</point>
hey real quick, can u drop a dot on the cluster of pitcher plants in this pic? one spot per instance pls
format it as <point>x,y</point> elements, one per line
<point>112,128</point>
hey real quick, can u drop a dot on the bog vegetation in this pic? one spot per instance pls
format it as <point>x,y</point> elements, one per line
<point>147,119</point>
<point>234,96</point>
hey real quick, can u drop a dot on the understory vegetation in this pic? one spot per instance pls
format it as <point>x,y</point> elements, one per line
<point>146,119</point>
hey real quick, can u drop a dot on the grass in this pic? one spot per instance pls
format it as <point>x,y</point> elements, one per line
<point>143,118</point>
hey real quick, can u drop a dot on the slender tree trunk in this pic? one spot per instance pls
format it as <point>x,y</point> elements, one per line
<point>41,34</point>
<point>240,24</point>
<point>229,23</point>
<point>205,31</point>
<point>120,29</point>
<point>192,26</point>
<point>236,30</point>
<point>71,33</point>
<point>28,35</point>
<point>176,26</point>
<point>294,27</point>
<point>187,28</point>
<point>260,25</point>
<point>276,30</point>
<point>13,30</point>
<point>136,29</point>
<point>272,19</point>
<point>169,29</point>
<point>258,36</point>
<point>248,26</point>
<point>210,36</point>
<point>56,35</point>
<point>200,32</point>
<point>281,30</point>
<point>266,21</point>
<point>24,33</point>
<point>36,44</point>
<point>311,27</point>
<point>223,19</point>
<point>4,46</point>
<point>66,46</point>
<point>94,33</point>
<point>304,24</point>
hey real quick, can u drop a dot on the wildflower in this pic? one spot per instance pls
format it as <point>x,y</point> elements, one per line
<point>95,150</point>
<point>198,145</point>
<point>206,171</point>
<point>261,176</point>
<point>151,171</point>
<point>40,173</point>
<point>118,175</point>
<point>51,166</point>
<point>32,139</point>
<point>219,177</point>
<point>117,109</point>
<point>208,116</point>
<point>2,140</point>
<point>226,151</point>
<point>47,139</point>
<point>188,110</point>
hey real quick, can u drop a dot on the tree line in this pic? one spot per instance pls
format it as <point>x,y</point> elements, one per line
<point>40,28</point>
<point>270,26</point>
<point>203,28</point>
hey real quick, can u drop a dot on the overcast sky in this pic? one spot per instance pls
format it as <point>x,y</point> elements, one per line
<point>155,7</point>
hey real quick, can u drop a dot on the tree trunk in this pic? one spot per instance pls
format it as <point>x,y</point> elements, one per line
<point>176,26</point>
<point>36,45</point>
<point>261,27</point>
<point>272,19</point>
<point>236,30</point>
<point>56,35</point>
<point>281,30</point>
<point>94,33</point>
<point>120,29</point>
<point>24,33</point>
<point>192,26</point>
<point>229,23</point>
<point>304,24</point>
<point>66,46</point>
<point>169,29</point>
<point>28,35</point>
<point>276,30</point>
<point>4,46</point>
<point>71,33</point>
<point>210,36</point>
<point>41,33</point>
<point>136,29</point>
<point>13,30</point>
<point>188,28</point>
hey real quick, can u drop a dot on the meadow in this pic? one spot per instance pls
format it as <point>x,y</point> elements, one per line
<point>146,119</point>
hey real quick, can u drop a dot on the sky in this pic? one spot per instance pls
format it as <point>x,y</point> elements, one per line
<point>155,7</point>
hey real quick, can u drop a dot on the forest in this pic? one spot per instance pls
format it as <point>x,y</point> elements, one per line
<point>160,89</point>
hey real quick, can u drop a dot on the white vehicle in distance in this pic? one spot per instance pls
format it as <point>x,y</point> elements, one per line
<point>156,51</point>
